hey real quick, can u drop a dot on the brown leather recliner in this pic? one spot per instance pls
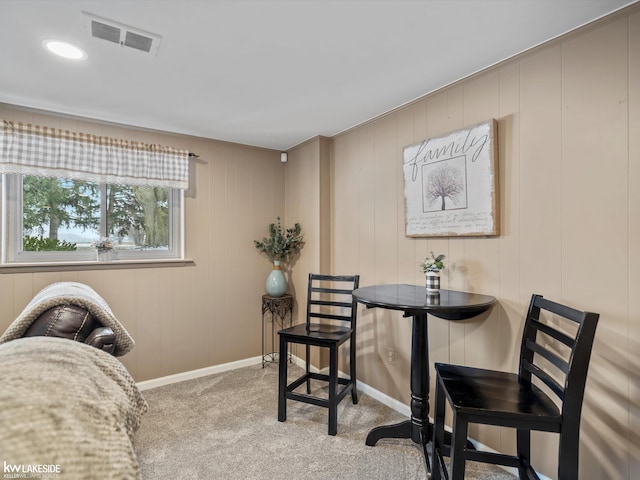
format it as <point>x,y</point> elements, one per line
<point>75,323</point>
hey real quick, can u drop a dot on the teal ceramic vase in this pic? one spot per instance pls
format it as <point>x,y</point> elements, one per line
<point>276,284</point>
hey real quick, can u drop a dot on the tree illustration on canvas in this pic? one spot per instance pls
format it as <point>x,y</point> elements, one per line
<point>443,182</point>
<point>451,184</point>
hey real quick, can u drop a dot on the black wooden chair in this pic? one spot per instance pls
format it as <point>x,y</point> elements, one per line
<point>331,321</point>
<point>545,395</point>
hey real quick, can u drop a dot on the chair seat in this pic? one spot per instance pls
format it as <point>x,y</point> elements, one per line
<point>319,332</point>
<point>482,393</point>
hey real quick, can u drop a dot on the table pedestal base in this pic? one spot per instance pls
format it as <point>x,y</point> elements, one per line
<point>399,430</point>
<point>404,430</point>
<point>418,429</point>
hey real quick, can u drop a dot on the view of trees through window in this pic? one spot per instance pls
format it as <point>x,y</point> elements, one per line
<point>61,214</point>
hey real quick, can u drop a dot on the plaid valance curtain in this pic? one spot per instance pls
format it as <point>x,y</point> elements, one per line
<point>48,152</point>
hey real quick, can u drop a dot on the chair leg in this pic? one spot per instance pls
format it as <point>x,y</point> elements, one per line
<point>282,383</point>
<point>437,444</point>
<point>568,454</point>
<point>458,446</point>
<point>352,363</point>
<point>523,440</point>
<point>308,363</point>
<point>333,390</point>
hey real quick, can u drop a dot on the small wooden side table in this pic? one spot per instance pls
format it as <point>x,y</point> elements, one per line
<point>279,307</point>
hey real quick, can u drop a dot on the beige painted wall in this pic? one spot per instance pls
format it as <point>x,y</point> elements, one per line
<point>184,318</point>
<point>569,159</point>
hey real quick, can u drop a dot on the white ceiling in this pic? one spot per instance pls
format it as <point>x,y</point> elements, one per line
<point>262,72</point>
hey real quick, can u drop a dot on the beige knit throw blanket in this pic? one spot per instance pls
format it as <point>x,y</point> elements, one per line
<point>67,411</point>
<point>70,293</point>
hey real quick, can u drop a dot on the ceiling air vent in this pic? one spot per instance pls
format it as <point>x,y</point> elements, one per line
<point>122,34</point>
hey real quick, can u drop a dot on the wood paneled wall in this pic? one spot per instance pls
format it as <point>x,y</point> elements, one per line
<point>569,160</point>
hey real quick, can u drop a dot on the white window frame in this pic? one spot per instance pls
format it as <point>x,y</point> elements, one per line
<point>12,232</point>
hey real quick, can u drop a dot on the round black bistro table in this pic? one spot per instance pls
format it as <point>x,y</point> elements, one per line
<point>415,301</point>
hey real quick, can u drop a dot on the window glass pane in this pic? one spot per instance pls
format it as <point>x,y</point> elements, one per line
<point>59,214</point>
<point>58,220</point>
<point>138,217</point>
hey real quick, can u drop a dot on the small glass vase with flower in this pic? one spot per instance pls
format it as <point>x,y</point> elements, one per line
<point>104,246</point>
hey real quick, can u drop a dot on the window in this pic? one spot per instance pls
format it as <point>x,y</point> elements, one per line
<point>65,193</point>
<point>60,220</point>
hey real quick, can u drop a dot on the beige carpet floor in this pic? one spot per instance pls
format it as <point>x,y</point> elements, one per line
<point>224,426</point>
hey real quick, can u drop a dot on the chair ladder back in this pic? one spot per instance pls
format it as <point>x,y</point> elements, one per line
<point>325,297</point>
<point>573,367</point>
<point>334,291</point>
<point>331,303</point>
<point>330,316</point>
<point>547,379</point>
<point>559,362</point>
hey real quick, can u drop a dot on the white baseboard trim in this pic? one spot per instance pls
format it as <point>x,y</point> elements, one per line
<point>383,398</point>
<point>201,372</point>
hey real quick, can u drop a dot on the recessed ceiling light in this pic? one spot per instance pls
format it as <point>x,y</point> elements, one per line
<point>64,49</point>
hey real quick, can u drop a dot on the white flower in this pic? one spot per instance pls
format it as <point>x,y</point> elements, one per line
<point>433,264</point>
